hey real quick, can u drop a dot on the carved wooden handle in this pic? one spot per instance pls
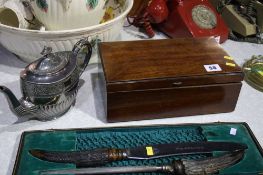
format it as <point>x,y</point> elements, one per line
<point>82,158</point>
<point>100,157</point>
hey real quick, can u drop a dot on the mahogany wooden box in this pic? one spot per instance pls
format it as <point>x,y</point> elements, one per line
<point>150,79</point>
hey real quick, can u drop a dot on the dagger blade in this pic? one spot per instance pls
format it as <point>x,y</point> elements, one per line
<point>206,166</point>
<point>172,149</point>
<point>97,157</point>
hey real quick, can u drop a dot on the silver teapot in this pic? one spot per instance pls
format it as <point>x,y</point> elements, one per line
<point>49,85</point>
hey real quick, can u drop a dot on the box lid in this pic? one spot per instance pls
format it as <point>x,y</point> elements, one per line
<point>148,64</point>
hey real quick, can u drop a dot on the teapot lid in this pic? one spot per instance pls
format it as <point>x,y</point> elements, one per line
<point>49,64</point>
<point>51,68</point>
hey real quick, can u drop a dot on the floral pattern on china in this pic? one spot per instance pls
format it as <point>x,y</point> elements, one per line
<point>82,13</point>
<point>42,4</point>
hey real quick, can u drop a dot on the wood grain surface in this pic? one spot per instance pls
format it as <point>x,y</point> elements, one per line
<point>166,78</point>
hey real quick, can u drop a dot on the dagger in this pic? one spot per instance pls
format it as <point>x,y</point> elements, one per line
<point>102,156</point>
<point>205,166</point>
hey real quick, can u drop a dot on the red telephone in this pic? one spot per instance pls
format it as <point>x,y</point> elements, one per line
<point>181,18</point>
<point>193,18</point>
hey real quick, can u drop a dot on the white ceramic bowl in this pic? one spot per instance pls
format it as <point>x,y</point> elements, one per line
<point>28,44</point>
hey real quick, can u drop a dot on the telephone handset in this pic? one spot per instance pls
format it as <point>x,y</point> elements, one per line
<point>193,18</point>
<point>147,12</point>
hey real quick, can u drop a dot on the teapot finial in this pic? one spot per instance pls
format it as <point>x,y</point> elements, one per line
<point>46,50</point>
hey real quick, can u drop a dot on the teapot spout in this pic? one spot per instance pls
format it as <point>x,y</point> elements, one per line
<point>12,100</point>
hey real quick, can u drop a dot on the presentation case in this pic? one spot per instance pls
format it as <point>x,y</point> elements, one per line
<point>127,137</point>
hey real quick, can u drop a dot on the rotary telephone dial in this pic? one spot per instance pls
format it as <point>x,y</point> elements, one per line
<point>179,18</point>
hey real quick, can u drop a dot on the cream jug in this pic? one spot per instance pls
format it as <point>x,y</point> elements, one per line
<point>15,13</point>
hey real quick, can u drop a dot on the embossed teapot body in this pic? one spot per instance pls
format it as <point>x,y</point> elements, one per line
<point>49,84</point>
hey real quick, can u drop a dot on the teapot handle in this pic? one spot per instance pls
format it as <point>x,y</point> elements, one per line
<point>81,44</point>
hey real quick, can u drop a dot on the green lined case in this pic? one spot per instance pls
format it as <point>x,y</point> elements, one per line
<point>125,137</point>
